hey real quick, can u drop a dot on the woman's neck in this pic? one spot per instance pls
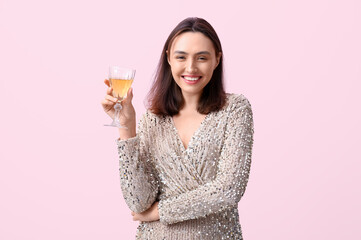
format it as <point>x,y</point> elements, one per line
<point>190,102</point>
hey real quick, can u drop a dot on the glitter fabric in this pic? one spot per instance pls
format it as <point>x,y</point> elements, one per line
<point>198,188</point>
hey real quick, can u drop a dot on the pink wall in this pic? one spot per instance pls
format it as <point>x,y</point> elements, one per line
<point>298,62</point>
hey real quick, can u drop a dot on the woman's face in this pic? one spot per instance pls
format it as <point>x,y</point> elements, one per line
<point>192,59</point>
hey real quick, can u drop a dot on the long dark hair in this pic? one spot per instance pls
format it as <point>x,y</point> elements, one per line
<point>165,96</point>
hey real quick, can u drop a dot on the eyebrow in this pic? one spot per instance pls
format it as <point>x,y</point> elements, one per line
<point>198,53</point>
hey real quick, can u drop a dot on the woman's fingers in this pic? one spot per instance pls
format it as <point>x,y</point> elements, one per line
<point>109,101</point>
<point>109,91</point>
<point>130,92</point>
<point>107,105</point>
<point>129,97</point>
<point>106,81</point>
<point>110,98</point>
<point>135,216</point>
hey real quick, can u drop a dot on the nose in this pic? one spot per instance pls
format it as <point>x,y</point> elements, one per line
<point>191,66</point>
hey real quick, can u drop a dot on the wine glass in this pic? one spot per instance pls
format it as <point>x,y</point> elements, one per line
<point>120,80</point>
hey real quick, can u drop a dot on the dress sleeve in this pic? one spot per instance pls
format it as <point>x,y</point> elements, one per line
<point>137,178</point>
<point>228,187</point>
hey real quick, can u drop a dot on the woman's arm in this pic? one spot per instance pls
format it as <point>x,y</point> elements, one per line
<point>137,178</point>
<point>228,187</point>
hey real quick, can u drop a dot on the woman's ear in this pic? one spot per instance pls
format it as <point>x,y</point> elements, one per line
<point>167,52</point>
<point>218,58</point>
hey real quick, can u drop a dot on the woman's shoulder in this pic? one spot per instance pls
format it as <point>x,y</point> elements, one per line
<point>236,101</point>
<point>152,118</point>
<point>150,121</point>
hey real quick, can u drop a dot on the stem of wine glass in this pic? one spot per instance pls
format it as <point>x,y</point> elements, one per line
<point>116,121</point>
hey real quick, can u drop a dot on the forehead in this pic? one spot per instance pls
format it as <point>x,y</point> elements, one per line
<point>192,42</point>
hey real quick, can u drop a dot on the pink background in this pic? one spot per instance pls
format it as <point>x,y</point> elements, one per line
<point>298,62</point>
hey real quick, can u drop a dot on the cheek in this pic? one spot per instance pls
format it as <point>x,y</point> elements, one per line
<point>176,68</point>
<point>208,70</point>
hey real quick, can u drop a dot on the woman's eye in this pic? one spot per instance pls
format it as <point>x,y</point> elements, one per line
<point>202,58</point>
<point>180,57</point>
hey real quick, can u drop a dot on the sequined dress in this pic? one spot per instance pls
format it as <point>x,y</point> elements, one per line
<point>198,188</point>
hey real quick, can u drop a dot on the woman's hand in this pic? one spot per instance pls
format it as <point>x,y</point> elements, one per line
<point>149,215</point>
<point>127,113</point>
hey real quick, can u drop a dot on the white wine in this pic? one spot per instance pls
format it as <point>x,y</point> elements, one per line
<point>120,87</point>
<point>120,80</point>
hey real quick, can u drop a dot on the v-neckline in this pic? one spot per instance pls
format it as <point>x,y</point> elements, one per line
<point>195,133</point>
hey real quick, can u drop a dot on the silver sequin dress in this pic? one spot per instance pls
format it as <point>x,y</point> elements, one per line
<point>198,188</point>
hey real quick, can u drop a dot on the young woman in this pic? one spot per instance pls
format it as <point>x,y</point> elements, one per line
<point>185,170</point>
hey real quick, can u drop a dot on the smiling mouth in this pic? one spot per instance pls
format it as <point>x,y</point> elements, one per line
<point>193,79</point>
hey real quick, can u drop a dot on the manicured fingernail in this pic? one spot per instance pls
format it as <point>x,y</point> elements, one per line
<point>115,99</point>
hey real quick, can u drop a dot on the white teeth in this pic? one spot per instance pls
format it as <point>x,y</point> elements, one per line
<point>191,78</point>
